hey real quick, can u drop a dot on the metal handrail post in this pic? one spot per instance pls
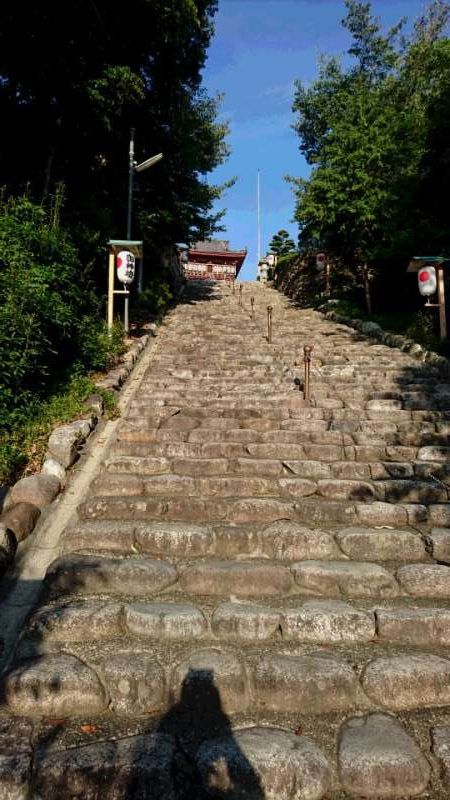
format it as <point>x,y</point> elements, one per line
<point>307,350</point>
<point>269,324</point>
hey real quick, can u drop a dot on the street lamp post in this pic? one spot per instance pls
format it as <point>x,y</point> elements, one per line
<point>132,168</point>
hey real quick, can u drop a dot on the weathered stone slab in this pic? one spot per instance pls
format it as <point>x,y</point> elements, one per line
<point>289,541</point>
<point>52,467</point>
<point>53,685</point>
<point>63,445</point>
<point>439,515</point>
<point>410,681</point>
<point>240,578</point>
<point>440,738</point>
<point>439,539</point>
<point>245,622</point>
<point>415,626</point>
<point>425,580</point>
<point>178,539</point>
<point>37,490</point>
<point>327,622</point>
<point>209,681</point>
<point>77,622</point>
<point>137,466</point>
<point>434,453</point>
<point>15,758</point>
<point>370,544</point>
<point>108,537</point>
<point>80,574</point>
<point>382,514</point>
<point>165,620</point>
<point>358,491</point>
<point>135,683</point>
<point>350,579</point>
<point>378,758</point>
<point>259,510</point>
<point>141,764</point>
<point>265,763</point>
<point>20,519</point>
<point>307,684</point>
<point>296,487</point>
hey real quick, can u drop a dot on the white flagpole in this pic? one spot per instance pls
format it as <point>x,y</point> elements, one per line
<point>259,216</point>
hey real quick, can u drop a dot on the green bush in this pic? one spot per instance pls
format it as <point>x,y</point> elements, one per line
<point>41,298</point>
<point>23,441</point>
<point>97,348</point>
<point>152,302</point>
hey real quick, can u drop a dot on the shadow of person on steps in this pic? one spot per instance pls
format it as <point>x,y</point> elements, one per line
<point>210,764</point>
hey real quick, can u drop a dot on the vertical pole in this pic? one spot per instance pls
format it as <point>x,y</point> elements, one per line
<point>234,286</point>
<point>327,279</point>
<point>269,324</point>
<point>111,290</point>
<point>130,183</point>
<point>259,216</point>
<point>307,350</point>
<point>240,294</point>
<point>126,311</point>
<point>367,288</point>
<point>441,300</point>
<point>252,303</point>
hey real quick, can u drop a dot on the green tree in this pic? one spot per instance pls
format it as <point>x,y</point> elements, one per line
<point>282,244</point>
<point>92,71</point>
<point>367,133</point>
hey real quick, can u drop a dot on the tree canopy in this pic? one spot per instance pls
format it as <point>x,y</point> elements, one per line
<point>93,70</point>
<point>281,244</point>
<point>375,133</point>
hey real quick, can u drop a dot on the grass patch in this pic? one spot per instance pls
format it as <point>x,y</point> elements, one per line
<point>23,441</point>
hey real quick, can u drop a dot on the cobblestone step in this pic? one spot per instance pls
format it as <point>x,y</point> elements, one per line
<point>255,592</point>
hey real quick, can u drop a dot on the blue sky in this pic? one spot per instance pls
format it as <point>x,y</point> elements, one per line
<point>259,49</point>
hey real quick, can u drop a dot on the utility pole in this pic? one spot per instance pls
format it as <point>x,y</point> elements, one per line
<point>126,308</point>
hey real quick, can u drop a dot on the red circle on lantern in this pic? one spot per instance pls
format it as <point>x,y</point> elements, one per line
<point>424,276</point>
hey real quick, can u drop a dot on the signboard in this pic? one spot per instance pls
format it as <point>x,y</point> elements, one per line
<point>126,265</point>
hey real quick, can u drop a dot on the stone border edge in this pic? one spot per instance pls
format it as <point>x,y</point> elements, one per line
<point>29,496</point>
<point>375,331</point>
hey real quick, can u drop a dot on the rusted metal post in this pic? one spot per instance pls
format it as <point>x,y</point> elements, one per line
<point>234,286</point>
<point>269,324</point>
<point>240,294</point>
<point>307,350</point>
<point>252,303</point>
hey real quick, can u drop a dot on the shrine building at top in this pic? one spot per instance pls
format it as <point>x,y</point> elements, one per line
<point>213,260</point>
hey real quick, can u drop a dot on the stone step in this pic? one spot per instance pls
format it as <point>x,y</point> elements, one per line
<point>318,683</point>
<point>319,622</point>
<point>279,541</point>
<point>140,576</point>
<point>316,510</point>
<point>391,491</point>
<point>375,753</point>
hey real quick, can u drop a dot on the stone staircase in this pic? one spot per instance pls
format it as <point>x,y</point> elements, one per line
<point>253,602</point>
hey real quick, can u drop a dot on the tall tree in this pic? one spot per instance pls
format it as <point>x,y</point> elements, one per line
<point>92,71</point>
<point>368,133</point>
<point>282,244</point>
